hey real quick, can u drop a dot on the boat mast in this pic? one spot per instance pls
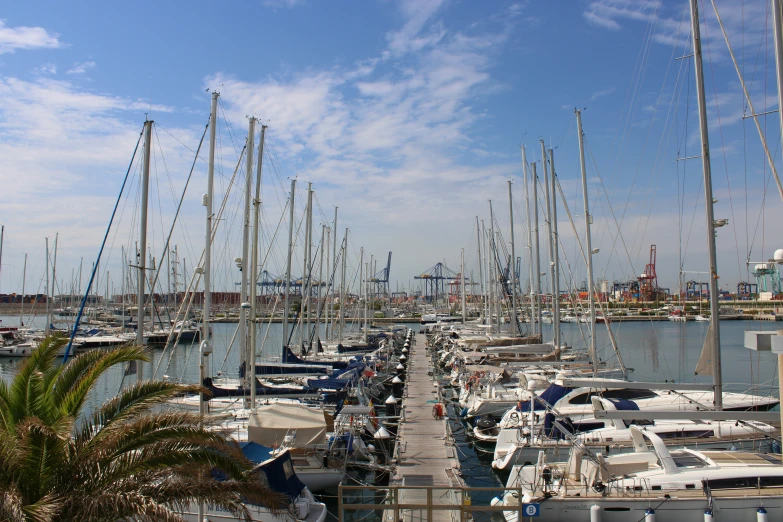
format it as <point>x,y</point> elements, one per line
<point>205,346</point>
<point>141,279</point>
<point>714,329</point>
<point>329,274</point>
<point>288,266</point>
<point>245,360</point>
<point>493,273</point>
<point>481,272</point>
<point>556,249</point>
<point>342,286</point>
<point>320,284</point>
<point>528,239</point>
<point>552,253</point>
<point>512,268</point>
<point>49,318</point>
<point>462,284</point>
<point>488,294</point>
<point>588,241</point>
<point>24,277</point>
<point>537,259</point>
<point>48,304</point>
<point>254,268</point>
<point>334,271</point>
<point>363,291</point>
<point>306,282</point>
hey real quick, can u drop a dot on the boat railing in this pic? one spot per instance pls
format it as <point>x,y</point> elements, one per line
<point>431,503</point>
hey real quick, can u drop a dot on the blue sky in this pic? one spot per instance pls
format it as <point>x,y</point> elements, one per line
<point>407,115</point>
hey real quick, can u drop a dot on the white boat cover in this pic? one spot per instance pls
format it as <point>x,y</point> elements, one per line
<point>269,425</point>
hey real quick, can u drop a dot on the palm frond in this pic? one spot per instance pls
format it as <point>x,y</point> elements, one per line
<point>75,382</point>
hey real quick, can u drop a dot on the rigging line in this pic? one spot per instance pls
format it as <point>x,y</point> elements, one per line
<point>228,125</point>
<point>750,103</point>
<point>604,312</point>
<point>174,222</point>
<point>100,252</point>
<point>196,276</point>
<point>630,94</point>
<point>649,131</point>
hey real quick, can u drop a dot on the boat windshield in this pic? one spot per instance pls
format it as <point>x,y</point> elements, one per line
<point>685,459</point>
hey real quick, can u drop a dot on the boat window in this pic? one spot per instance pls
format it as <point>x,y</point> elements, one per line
<point>686,434</point>
<point>260,475</point>
<point>684,459</point>
<point>582,398</point>
<point>771,481</point>
<point>288,469</point>
<point>730,483</point>
<point>629,394</point>
<point>642,422</point>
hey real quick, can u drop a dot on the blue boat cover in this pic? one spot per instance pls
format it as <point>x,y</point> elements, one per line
<point>280,476</point>
<point>255,452</point>
<point>550,396</point>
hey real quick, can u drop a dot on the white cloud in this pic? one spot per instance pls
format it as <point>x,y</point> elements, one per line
<point>276,4</point>
<point>46,68</point>
<point>13,38</point>
<point>601,93</point>
<point>408,38</point>
<point>80,67</point>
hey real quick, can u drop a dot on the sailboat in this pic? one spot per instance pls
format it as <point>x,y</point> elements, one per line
<point>686,485</point>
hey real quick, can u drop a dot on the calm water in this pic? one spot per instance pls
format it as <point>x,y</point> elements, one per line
<point>656,351</point>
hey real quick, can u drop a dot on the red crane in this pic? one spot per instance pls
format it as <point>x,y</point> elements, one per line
<point>648,281</point>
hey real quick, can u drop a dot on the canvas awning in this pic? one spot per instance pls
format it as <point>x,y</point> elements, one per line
<point>270,424</point>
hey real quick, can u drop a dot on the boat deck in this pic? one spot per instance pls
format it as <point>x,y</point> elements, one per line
<point>425,460</point>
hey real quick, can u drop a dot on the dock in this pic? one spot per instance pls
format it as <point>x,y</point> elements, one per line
<point>426,459</point>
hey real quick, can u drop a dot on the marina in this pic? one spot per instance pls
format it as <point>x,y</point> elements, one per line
<point>214,304</point>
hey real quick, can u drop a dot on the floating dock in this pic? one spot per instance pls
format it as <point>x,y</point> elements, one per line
<point>425,457</point>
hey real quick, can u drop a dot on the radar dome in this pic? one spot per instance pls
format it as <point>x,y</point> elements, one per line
<point>778,255</point>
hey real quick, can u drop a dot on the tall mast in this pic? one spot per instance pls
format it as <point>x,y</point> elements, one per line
<point>714,329</point>
<point>24,277</point>
<point>320,284</point>
<point>342,286</point>
<point>48,299</point>
<point>481,272</point>
<point>205,347</point>
<point>363,291</point>
<point>588,241</point>
<point>488,295</point>
<point>462,284</point>
<point>536,282</point>
<point>244,266</point>
<point>306,283</point>
<point>329,272</point>
<point>512,268</point>
<point>491,268</point>
<point>499,287</point>
<point>556,250</point>
<point>254,268</point>
<point>54,276</point>
<point>142,259</point>
<point>551,244</point>
<point>288,266</point>
<point>528,240</point>
<point>334,269</point>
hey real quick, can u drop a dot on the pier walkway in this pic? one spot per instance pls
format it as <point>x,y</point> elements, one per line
<point>424,458</point>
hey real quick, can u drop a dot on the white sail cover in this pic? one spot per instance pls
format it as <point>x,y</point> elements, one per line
<point>269,425</point>
<point>704,366</point>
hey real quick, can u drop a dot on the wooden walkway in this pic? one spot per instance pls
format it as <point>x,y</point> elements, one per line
<point>425,460</point>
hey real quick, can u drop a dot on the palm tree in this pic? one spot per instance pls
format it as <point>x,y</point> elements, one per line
<point>126,460</point>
